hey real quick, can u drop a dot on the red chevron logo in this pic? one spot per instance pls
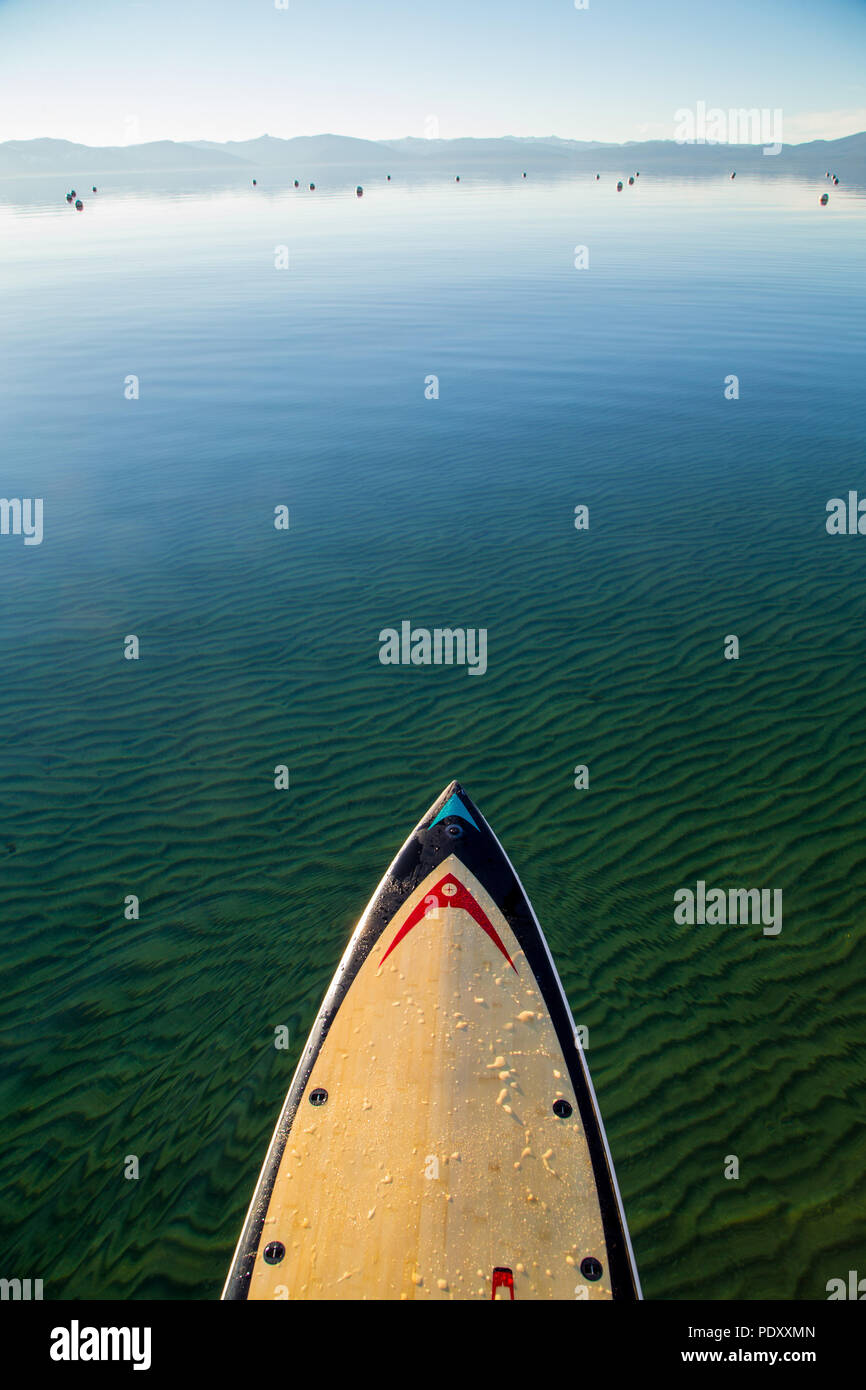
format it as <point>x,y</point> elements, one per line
<point>449,892</point>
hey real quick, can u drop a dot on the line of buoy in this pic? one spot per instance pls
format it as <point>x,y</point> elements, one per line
<point>71,196</point>
<point>359,191</point>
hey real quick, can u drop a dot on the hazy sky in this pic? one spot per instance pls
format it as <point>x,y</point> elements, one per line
<point>111,72</point>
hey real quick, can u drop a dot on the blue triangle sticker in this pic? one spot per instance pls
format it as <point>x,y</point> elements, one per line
<point>453,807</point>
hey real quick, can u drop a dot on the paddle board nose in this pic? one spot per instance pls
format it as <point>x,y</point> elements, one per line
<point>453,804</point>
<point>453,825</point>
<point>441,1137</point>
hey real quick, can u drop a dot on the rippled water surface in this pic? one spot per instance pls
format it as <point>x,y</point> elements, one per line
<point>305,387</point>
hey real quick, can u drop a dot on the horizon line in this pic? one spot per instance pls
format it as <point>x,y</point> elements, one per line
<point>425,140</point>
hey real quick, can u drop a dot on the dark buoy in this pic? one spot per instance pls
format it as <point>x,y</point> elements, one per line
<point>254,183</point>
<point>457,180</point>
<point>94,188</point>
<point>78,204</point>
<point>835,180</point>
<point>597,177</point>
<point>619,186</point>
<point>734,174</point>
<point>69,197</point>
<point>825,198</point>
<point>313,187</point>
<point>359,192</point>
<point>637,173</point>
<point>297,185</point>
<point>524,173</point>
<point>631,180</point>
<point>389,178</point>
<point>72,192</point>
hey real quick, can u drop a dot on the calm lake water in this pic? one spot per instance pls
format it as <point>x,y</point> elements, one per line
<point>305,387</point>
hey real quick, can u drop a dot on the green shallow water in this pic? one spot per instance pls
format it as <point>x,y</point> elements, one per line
<point>558,387</point>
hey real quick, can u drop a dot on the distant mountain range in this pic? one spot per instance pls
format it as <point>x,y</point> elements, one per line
<point>305,155</point>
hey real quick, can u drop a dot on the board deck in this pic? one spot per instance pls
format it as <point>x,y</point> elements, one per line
<point>441,1138</point>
